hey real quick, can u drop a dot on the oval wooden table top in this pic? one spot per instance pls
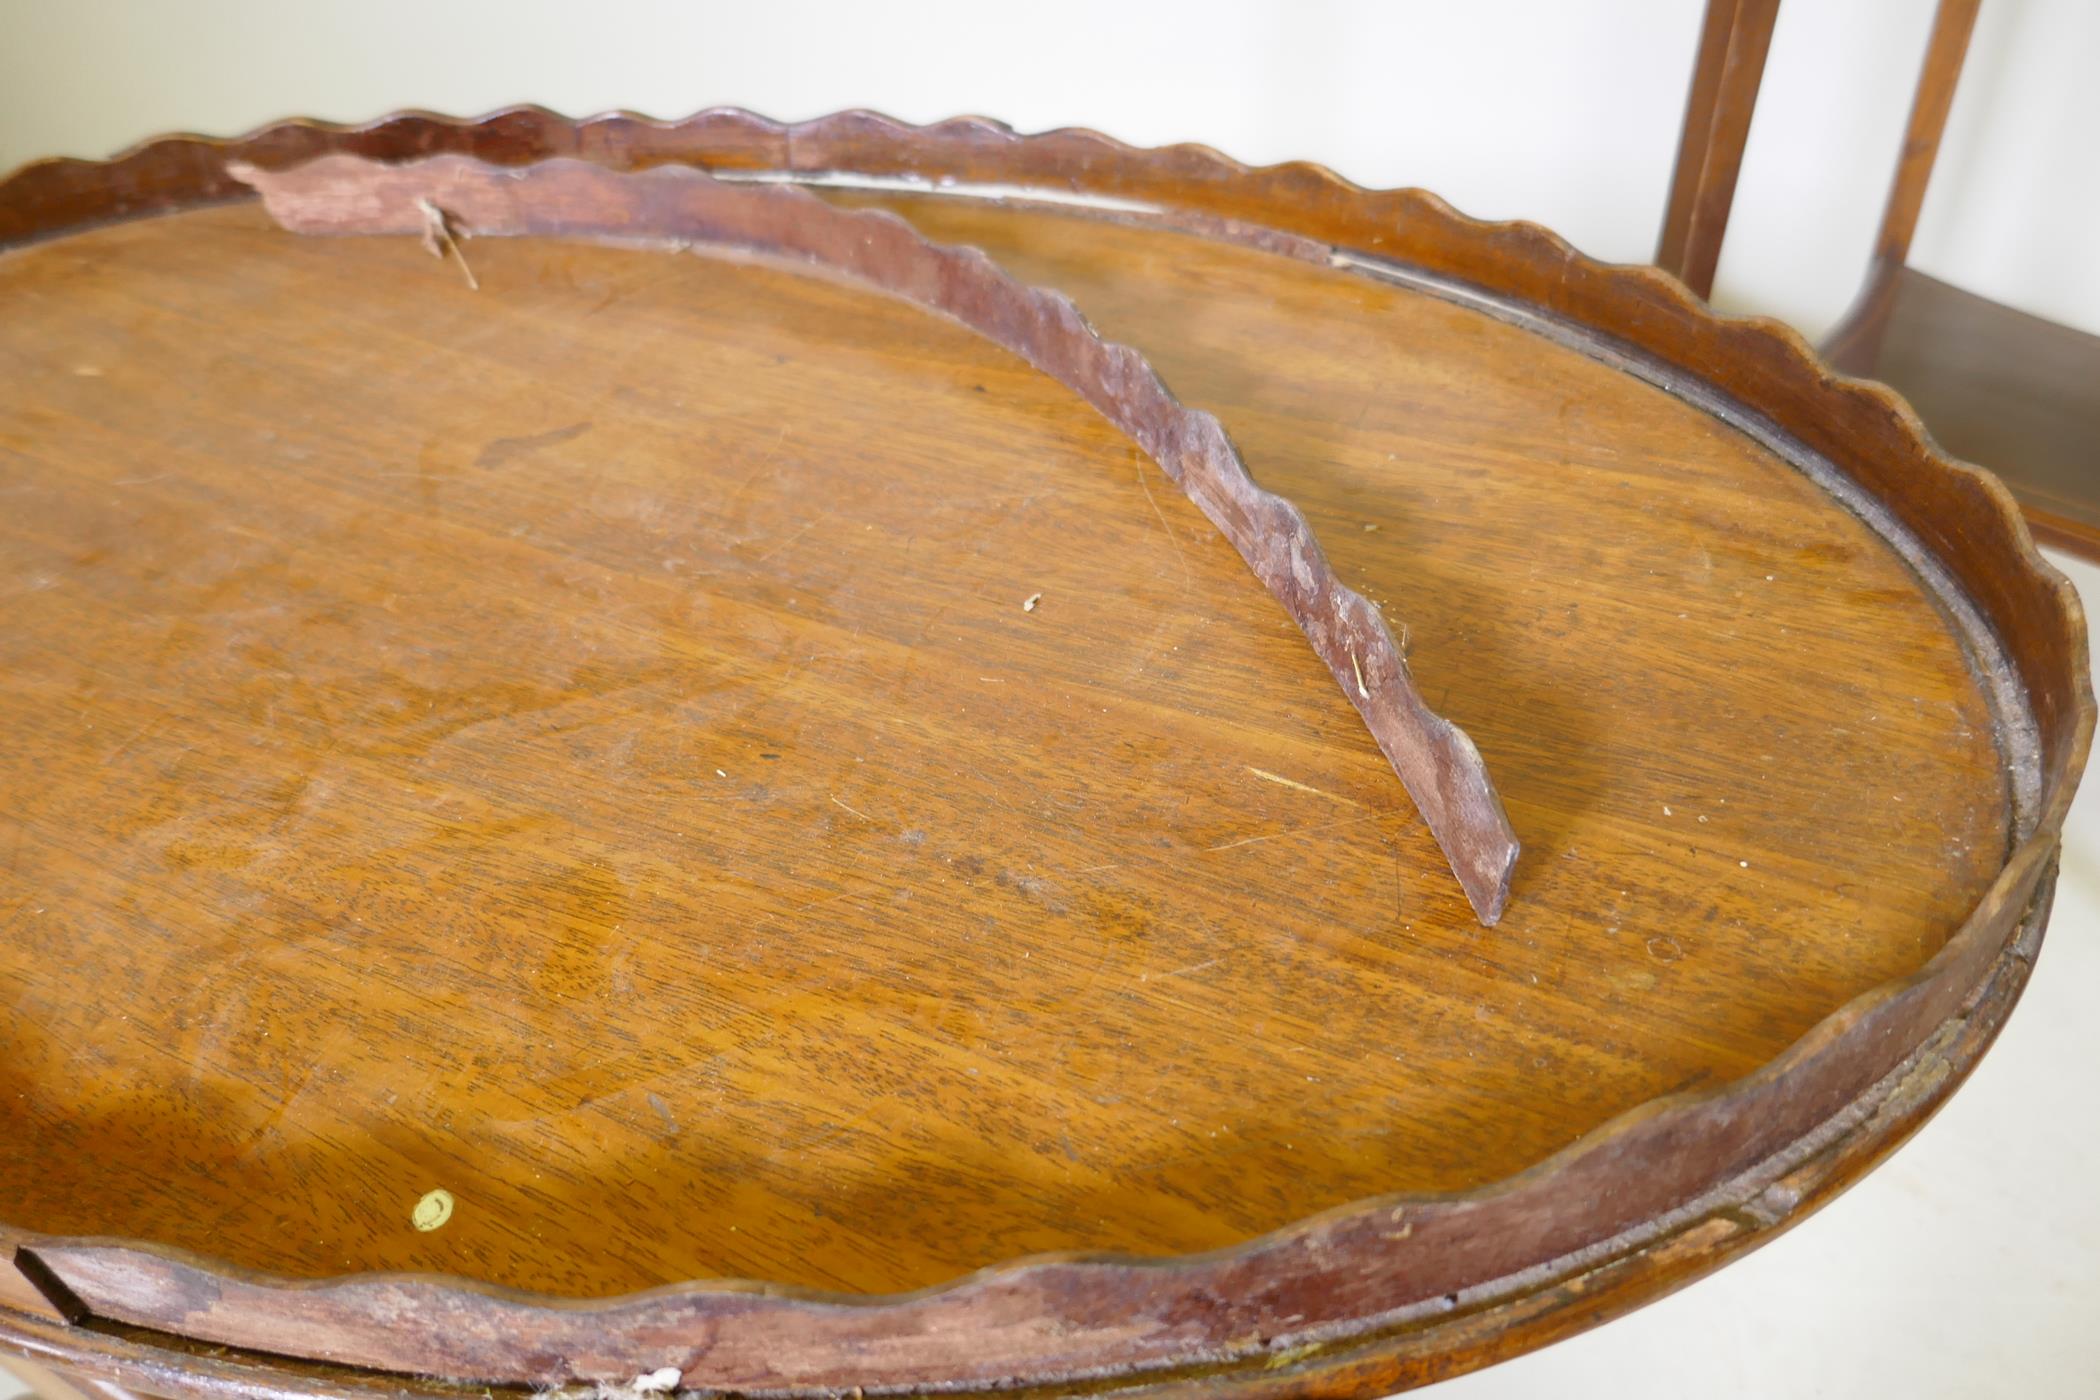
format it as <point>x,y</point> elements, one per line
<point>666,768</point>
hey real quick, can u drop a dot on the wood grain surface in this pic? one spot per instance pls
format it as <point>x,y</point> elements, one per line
<point>584,747</point>
<point>692,211</point>
<point>581,746</point>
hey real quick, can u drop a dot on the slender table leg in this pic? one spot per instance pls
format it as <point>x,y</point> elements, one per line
<point>1725,79</point>
<point>1855,345</point>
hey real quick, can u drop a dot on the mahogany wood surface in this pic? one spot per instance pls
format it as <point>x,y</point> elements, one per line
<point>385,654</point>
<point>576,199</point>
<point>581,745</point>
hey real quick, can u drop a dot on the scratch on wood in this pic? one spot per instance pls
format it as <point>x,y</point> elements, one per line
<point>1172,538</point>
<point>498,451</point>
<point>1193,967</point>
<point>1295,831</point>
<point>806,528</point>
<point>1266,776</point>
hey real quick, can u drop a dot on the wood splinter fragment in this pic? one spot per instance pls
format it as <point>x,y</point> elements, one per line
<point>658,1382</point>
<point>1441,769</point>
<point>439,240</point>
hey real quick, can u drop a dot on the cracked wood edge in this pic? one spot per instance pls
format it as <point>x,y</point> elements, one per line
<point>1314,1295</point>
<point>1602,1287</point>
<point>1640,1205</point>
<point>1435,760</point>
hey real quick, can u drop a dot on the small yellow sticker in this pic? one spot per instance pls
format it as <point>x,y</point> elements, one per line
<point>433,1210</point>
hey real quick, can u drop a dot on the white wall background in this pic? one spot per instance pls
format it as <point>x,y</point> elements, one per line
<point>1564,111</point>
<point>1970,1264</point>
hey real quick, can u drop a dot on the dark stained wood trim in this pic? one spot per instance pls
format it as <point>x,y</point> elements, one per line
<point>2059,532</point>
<point>1730,66</point>
<point>2018,393</point>
<point>1952,24</point>
<point>2015,392</point>
<point>1854,345</point>
<point>1328,1306</point>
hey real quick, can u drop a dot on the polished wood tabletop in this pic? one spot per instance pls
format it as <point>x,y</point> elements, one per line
<point>666,767</point>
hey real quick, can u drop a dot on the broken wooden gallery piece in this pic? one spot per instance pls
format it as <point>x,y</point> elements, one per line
<point>1434,759</point>
<point>545,845</point>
